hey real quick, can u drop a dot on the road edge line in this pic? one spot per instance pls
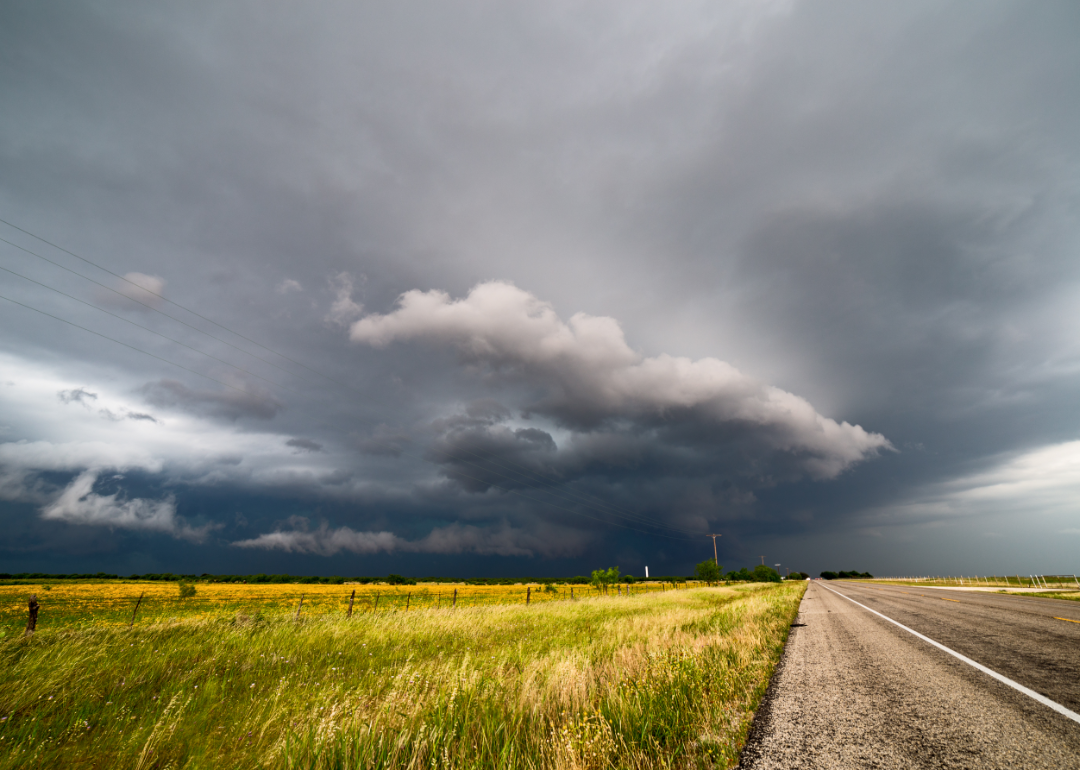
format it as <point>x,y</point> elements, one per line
<point>990,672</point>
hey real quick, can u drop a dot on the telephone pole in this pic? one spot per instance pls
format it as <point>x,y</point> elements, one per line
<point>715,559</point>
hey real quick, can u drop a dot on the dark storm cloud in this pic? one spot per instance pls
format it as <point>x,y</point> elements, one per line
<point>867,210</point>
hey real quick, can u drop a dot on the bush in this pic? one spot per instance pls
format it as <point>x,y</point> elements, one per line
<point>187,590</point>
<point>708,571</point>
<point>398,580</point>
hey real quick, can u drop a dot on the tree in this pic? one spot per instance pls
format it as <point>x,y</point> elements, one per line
<point>602,578</point>
<point>828,575</point>
<point>708,571</point>
<point>763,574</point>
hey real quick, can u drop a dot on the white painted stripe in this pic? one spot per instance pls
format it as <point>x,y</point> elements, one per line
<point>1003,679</point>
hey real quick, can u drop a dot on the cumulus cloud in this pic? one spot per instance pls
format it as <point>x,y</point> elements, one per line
<point>501,540</point>
<point>79,504</point>
<point>228,404</point>
<point>289,285</point>
<point>590,381</point>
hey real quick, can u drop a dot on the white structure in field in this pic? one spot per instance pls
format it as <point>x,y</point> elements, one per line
<point>646,573</point>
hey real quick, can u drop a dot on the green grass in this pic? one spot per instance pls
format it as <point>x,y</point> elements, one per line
<point>663,680</point>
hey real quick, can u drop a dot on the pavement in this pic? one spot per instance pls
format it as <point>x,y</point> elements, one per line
<point>856,691</point>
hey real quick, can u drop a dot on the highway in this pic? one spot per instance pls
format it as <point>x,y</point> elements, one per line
<point>854,690</point>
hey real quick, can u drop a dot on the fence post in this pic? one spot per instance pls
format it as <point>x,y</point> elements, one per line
<point>571,593</point>
<point>349,613</point>
<point>454,604</point>
<point>376,607</point>
<point>132,623</point>
<point>528,595</point>
<point>31,622</point>
<point>299,606</point>
<point>408,598</point>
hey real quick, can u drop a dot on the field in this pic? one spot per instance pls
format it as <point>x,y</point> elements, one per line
<point>64,603</point>
<point>662,679</point>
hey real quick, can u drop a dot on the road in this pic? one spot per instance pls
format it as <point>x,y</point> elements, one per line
<point>856,691</point>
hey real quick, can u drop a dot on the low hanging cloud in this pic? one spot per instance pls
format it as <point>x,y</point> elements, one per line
<point>591,382</point>
<point>79,504</point>
<point>502,540</point>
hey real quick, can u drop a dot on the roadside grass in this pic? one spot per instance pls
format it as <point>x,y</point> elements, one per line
<point>659,680</point>
<point>1069,597</point>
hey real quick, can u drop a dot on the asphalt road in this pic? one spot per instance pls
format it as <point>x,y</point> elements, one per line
<point>855,691</point>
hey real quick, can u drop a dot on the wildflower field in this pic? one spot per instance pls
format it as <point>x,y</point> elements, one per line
<point>64,603</point>
<point>657,679</point>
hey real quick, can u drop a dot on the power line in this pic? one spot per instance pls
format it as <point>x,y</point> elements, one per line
<point>118,342</point>
<point>151,308</point>
<point>171,302</point>
<point>571,510</point>
<point>144,328</point>
<point>570,496</point>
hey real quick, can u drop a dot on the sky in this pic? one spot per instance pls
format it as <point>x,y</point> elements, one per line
<point>531,289</point>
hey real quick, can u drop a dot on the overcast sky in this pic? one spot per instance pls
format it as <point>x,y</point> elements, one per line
<point>487,288</point>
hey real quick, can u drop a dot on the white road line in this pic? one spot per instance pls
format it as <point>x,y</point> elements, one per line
<point>1003,679</point>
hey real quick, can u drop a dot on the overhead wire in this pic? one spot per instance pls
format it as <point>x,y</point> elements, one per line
<point>574,511</point>
<point>580,498</point>
<point>587,499</point>
<point>152,308</point>
<point>146,328</point>
<point>611,511</point>
<point>171,302</point>
<point>126,345</point>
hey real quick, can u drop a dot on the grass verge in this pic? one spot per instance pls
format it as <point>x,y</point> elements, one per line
<point>663,680</point>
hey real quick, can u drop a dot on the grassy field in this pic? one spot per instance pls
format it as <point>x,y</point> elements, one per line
<point>64,603</point>
<point>667,679</point>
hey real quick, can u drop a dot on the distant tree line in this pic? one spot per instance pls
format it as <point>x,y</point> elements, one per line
<point>838,575</point>
<point>610,577</point>
<point>711,572</point>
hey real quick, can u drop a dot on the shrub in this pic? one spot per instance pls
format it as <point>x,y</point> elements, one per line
<point>187,590</point>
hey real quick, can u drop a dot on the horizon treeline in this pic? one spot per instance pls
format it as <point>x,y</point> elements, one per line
<point>392,579</point>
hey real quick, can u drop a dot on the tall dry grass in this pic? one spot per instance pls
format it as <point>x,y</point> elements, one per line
<point>665,680</point>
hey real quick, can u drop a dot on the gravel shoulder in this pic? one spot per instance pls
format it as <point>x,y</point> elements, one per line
<point>853,691</point>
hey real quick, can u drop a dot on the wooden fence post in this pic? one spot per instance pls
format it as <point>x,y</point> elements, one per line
<point>408,598</point>
<point>132,623</point>
<point>528,595</point>
<point>376,607</point>
<point>455,599</point>
<point>31,622</point>
<point>349,613</point>
<point>301,604</point>
<point>571,592</point>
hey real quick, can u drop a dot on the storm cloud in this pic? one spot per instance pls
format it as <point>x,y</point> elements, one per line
<point>537,287</point>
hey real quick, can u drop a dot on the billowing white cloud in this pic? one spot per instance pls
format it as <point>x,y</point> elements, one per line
<point>78,504</point>
<point>590,378</point>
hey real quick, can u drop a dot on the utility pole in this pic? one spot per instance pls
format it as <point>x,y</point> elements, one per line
<point>762,561</point>
<point>715,559</point>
